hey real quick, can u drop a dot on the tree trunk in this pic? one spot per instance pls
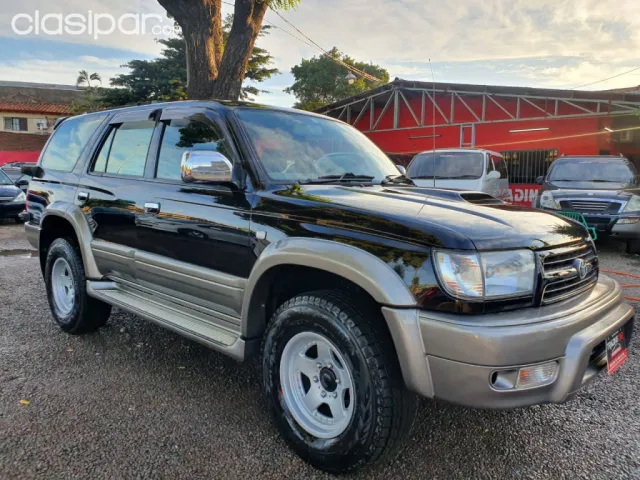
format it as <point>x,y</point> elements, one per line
<point>201,25</point>
<point>210,72</point>
<point>247,22</point>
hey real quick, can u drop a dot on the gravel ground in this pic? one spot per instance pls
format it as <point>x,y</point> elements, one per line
<point>136,401</point>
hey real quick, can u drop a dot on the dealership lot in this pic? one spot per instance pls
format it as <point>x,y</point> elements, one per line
<point>138,401</point>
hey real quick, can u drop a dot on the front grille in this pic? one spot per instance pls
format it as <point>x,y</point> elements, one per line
<point>561,272</point>
<point>591,206</point>
<point>6,199</point>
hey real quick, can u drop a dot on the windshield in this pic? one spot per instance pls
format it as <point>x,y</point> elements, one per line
<point>4,179</point>
<point>449,165</point>
<point>593,170</point>
<point>302,148</point>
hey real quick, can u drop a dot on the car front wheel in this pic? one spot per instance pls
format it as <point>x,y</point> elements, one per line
<point>332,381</point>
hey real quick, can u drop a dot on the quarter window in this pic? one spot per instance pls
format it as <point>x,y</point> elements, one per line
<point>180,135</point>
<point>125,150</point>
<point>68,141</point>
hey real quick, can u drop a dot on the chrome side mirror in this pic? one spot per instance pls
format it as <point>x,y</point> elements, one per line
<point>205,166</point>
<point>401,169</point>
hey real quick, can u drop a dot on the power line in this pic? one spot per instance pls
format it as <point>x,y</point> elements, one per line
<point>605,79</point>
<point>337,60</point>
<point>313,44</point>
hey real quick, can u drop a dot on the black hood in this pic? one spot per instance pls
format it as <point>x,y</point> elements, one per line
<point>592,189</point>
<point>9,191</point>
<point>419,216</point>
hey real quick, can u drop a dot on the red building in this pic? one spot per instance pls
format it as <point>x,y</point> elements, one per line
<point>530,126</point>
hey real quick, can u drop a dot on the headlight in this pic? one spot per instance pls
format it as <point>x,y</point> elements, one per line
<point>486,276</point>
<point>21,197</point>
<point>633,205</point>
<point>547,201</point>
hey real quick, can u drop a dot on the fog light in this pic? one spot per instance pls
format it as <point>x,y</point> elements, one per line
<point>537,375</point>
<point>628,220</point>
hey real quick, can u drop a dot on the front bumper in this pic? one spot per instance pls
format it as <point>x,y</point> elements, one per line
<point>453,357</point>
<point>11,209</point>
<point>611,224</point>
<point>626,230</point>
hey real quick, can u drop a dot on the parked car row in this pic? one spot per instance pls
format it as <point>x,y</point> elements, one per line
<point>602,192</point>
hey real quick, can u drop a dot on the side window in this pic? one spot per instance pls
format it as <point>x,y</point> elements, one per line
<point>125,150</point>
<point>490,166</point>
<point>68,141</point>
<point>180,135</point>
<point>501,166</point>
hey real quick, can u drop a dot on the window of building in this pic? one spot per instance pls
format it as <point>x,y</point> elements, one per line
<point>125,150</point>
<point>185,134</point>
<point>15,124</point>
<point>69,140</point>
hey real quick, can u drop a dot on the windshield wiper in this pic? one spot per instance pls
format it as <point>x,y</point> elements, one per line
<point>596,180</point>
<point>397,179</point>
<point>345,177</point>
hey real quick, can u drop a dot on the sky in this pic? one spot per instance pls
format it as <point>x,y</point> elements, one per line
<point>539,43</point>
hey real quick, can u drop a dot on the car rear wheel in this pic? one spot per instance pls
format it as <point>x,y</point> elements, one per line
<point>333,384</point>
<point>73,310</point>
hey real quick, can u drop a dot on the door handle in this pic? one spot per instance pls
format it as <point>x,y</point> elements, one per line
<point>151,208</point>
<point>83,196</point>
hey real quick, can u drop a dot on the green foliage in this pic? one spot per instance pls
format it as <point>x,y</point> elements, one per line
<point>164,78</point>
<point>320,80</point>
<point>283,4</point>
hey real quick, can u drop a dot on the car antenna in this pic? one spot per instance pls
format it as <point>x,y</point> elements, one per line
<point>433,124</point>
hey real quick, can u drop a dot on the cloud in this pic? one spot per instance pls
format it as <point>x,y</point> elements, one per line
<point>520,42</point>
<point>56,71</point>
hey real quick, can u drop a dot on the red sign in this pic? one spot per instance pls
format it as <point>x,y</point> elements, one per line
<point>523,194</point>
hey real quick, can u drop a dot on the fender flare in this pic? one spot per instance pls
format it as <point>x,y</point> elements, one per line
<point>358,266</point>
<point>73,214</point>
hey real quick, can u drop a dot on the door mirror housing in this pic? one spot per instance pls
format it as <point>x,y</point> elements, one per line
<point>401,169</point>
<point>493,175</point>
<point>206,166</point>
<point>22,183</point>
<point>540,180</point>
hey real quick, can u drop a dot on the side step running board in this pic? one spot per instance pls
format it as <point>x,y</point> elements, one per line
<point>189,323</point>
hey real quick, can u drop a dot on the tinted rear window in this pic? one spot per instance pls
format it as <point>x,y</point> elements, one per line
<point>68,141</point>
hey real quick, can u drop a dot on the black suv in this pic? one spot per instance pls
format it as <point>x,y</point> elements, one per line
<point>291,237</point>
<point>604,189</point>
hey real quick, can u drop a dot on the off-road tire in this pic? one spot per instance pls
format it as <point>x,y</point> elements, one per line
<point>384,408</point>
<point>88,314</point>
<point>633,246</point>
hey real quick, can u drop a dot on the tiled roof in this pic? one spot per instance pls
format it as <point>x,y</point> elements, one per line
<point>35,107</point>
